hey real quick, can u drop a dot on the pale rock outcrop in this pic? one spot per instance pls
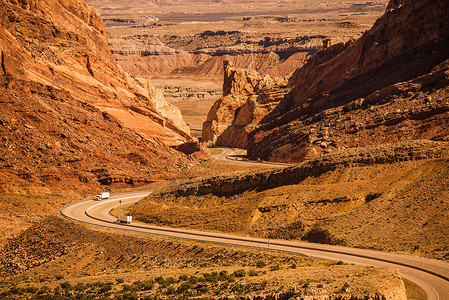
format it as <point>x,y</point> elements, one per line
<point>247,98</point>
<point>166,109</point>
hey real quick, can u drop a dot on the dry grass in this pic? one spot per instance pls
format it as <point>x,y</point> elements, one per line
<point>59,256</point>
<point>398,207</point>
<point>414,292</point>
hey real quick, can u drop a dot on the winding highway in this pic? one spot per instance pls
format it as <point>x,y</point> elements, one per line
<point>431,275</point>
<point>236,155</point>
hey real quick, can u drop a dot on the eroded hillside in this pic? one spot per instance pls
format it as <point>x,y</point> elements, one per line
<point>389,85</point>
<point>388,197</point>
<point>70,115</point>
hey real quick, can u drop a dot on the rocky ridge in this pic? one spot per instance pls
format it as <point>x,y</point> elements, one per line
<point>385,197</point>
<point>247,98</point>
<point>389,85</point>
<point>228,185</point>
<point>67,104</point>
<point>201,55</point>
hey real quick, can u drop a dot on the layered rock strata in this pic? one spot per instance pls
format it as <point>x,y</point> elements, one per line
<point>365,156</point>
<point>67,104</point>
<point>201,55</point>
<point>390,85</point>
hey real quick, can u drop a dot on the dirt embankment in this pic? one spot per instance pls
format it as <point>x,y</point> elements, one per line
<point>388,197</point>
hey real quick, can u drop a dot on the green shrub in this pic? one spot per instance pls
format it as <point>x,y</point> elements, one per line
<point>184,287</point>
<point>193,279</point>
<point>80,286</point>
<point>105,288</point>
<point>202,289</point>
<point>127,288</point>
<point>128,296</point>
<point>145,285</point>
<point>170,290</point>
<point>275,268</point>
<point>260,264</point>
<point>170,280</point>
<point>183,277</point>
<point>159,279</point>
<point>66,285</point>
<point>240,273</point>
<point>224,286</point>
<point>253,273</point>
<point>120,280</point>
<point>15,291</point>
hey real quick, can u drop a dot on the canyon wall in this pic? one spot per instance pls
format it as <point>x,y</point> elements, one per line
<point>68,109</point>
<point>389,85</point>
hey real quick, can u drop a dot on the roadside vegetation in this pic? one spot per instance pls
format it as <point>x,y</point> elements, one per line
<point>61,259</point>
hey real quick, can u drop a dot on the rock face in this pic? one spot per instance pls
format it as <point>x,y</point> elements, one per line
<point>66,103</point>
<point>247,98</point>
<point>389,85</point>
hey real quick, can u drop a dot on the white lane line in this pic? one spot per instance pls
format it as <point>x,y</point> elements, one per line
<point>116,199</point>
<point>250,240</point>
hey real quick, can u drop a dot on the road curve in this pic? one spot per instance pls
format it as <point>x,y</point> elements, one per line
<point>237,155</point>
<point>431,275</point>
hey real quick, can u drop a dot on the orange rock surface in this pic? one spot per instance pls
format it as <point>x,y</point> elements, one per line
<point>247,98</point>
<point>67,108</point>
<point>390,85</point>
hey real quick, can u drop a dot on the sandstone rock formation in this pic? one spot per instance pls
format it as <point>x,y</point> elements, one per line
<point>389,85</point>
<point>247,98</point>
<point>67,104</point>
<point>201,55</point>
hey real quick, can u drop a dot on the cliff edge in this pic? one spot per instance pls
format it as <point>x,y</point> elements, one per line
<point>390,85</point>
<point>68,110</point>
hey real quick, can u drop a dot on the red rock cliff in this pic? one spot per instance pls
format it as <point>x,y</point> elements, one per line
<point>389,85</point>
<point>67,108</point>
<point>247,98</point>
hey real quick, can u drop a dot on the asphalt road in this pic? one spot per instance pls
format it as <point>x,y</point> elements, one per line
<point>236,155</point>
<point>431,275</point>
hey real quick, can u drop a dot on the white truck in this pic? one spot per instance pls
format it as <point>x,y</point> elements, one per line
<point>124,219</point>
<point>102,196</point>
